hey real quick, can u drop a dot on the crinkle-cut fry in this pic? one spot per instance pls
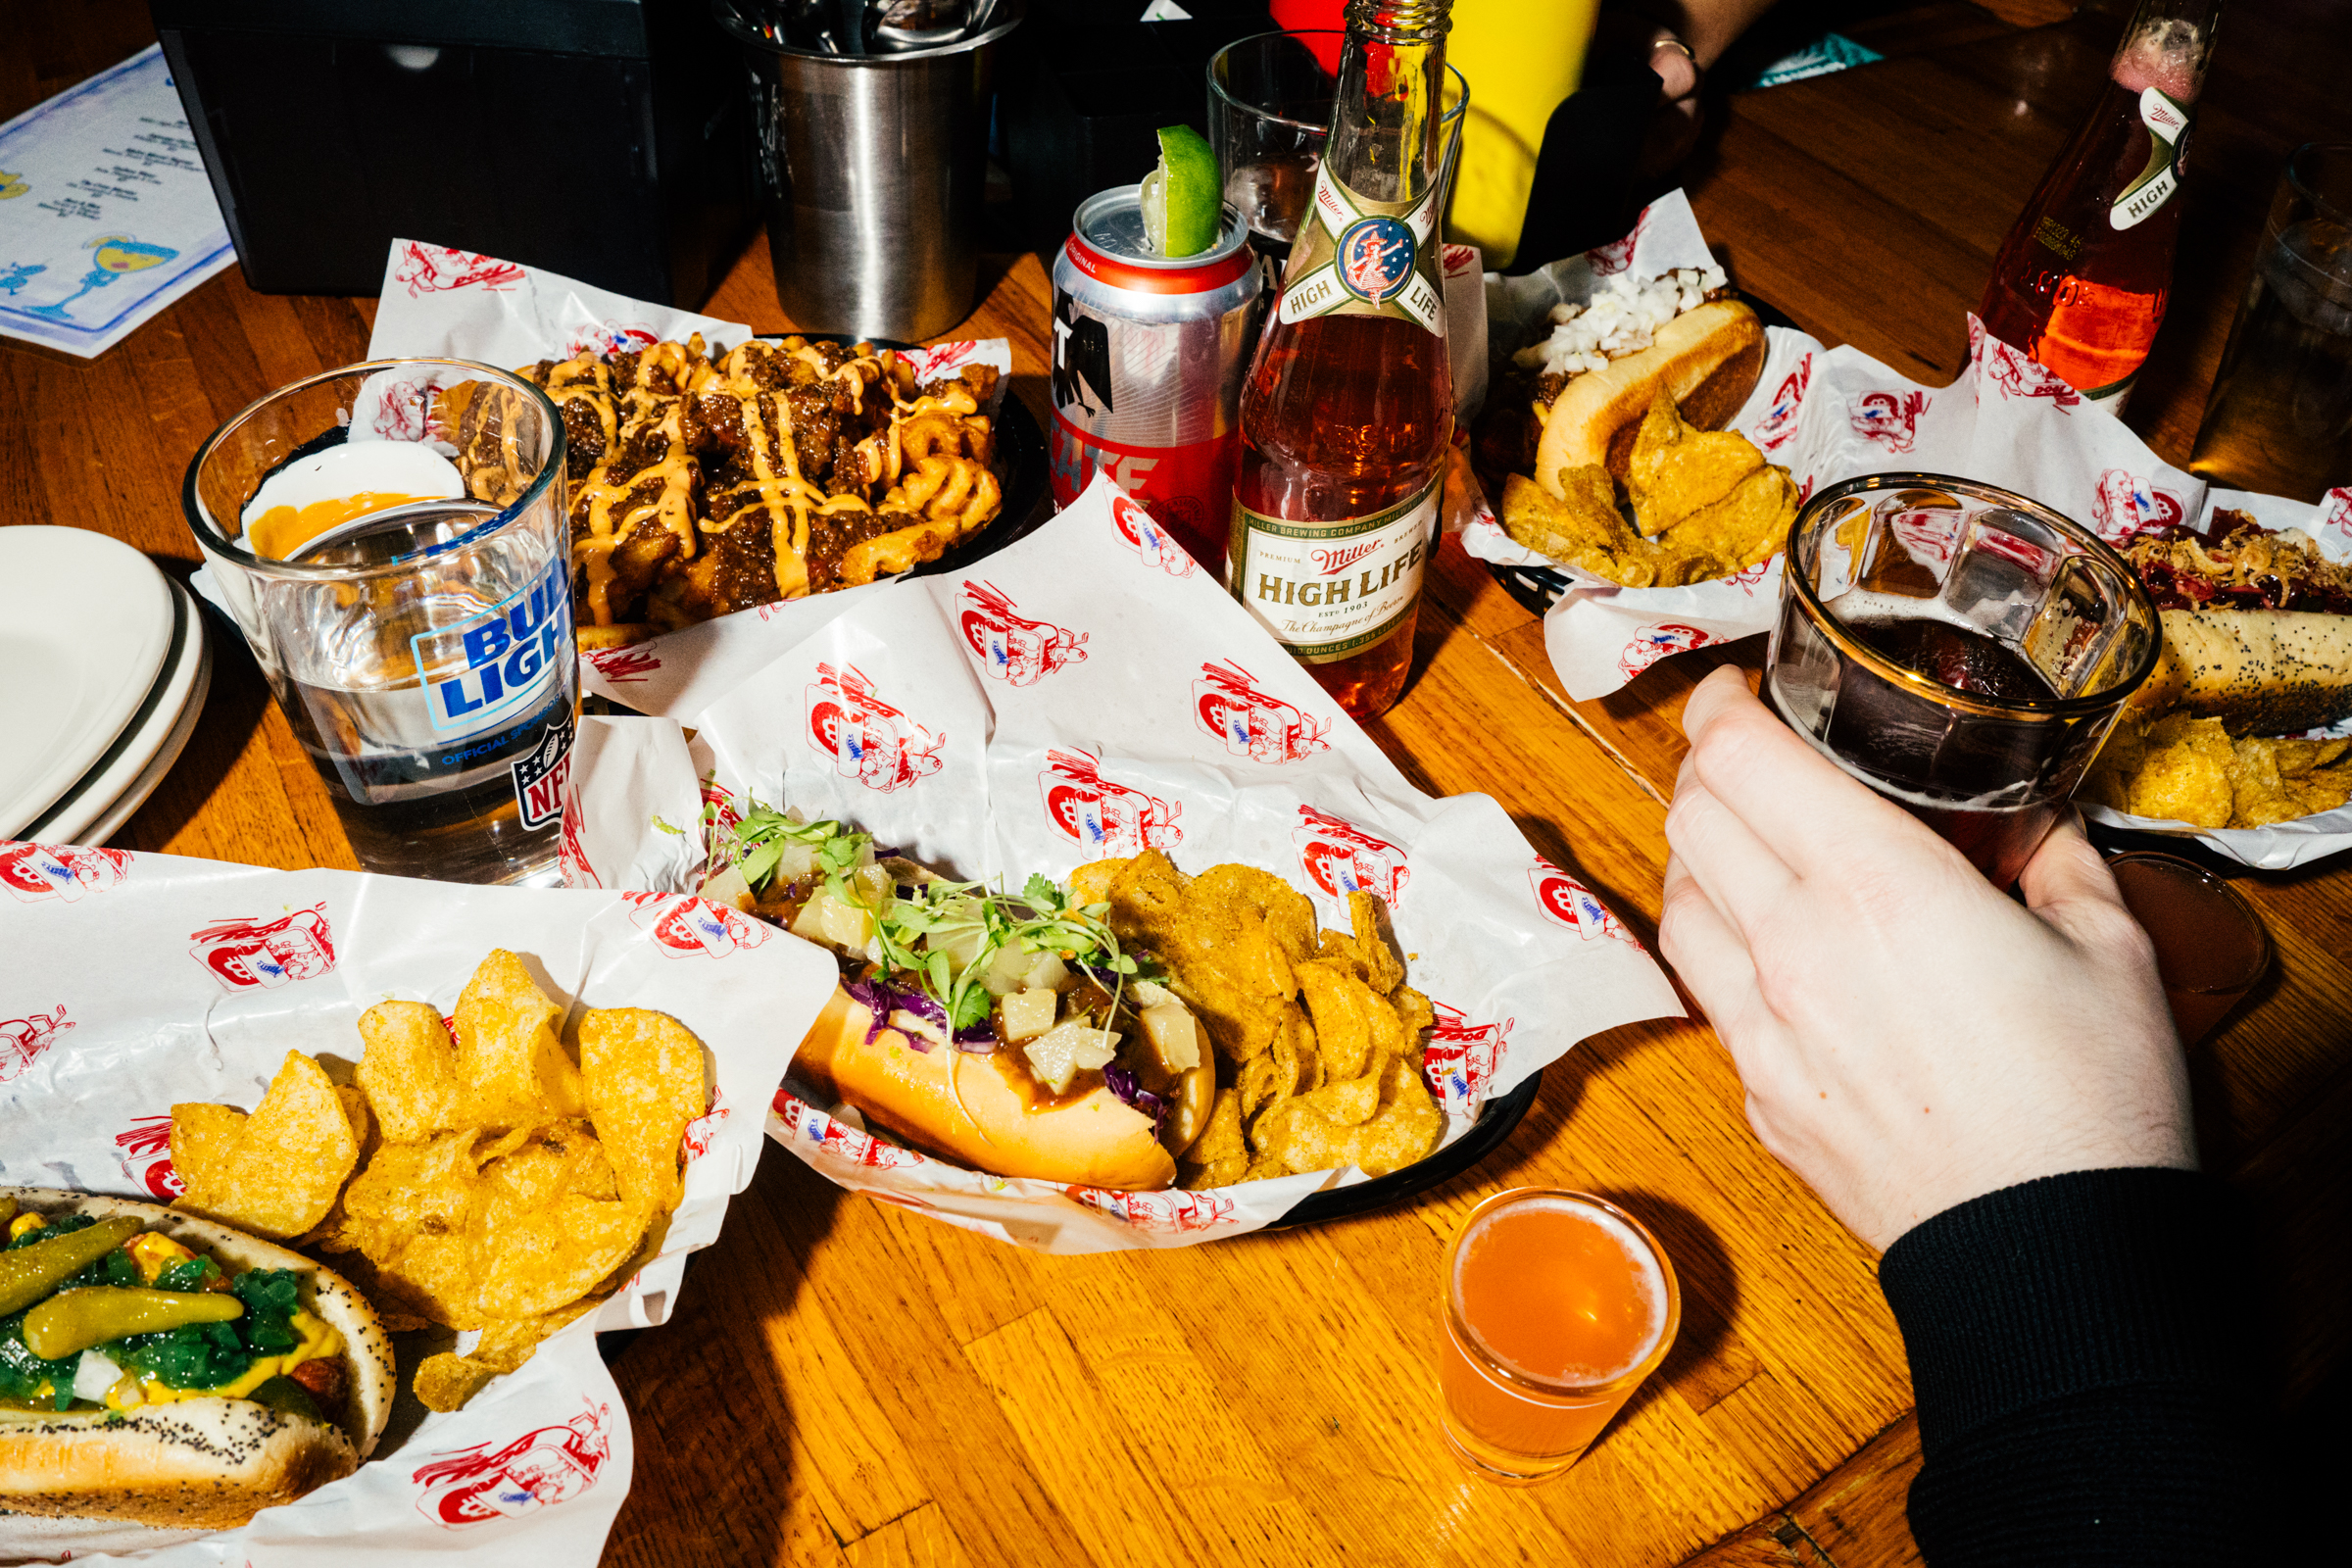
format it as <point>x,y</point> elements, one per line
<point>946,490</point>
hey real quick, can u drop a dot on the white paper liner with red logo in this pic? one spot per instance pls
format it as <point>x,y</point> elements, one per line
<point>2282,845</point>
<point>1827,416</point>
<point>1090,692</point>
<point>137,981</point>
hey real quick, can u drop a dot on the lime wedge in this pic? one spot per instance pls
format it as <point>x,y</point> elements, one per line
<point>1184,202</point>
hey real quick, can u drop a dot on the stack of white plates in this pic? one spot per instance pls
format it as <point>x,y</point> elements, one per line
<point>103,670</point>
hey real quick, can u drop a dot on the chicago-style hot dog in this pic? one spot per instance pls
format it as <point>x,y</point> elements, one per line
<point>2257,627</point>
<point>166,1370</point>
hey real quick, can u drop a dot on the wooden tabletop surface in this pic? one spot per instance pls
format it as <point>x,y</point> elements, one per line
<point>846,1383</point>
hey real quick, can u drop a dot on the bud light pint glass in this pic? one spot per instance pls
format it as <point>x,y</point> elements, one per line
<point>392,540</point>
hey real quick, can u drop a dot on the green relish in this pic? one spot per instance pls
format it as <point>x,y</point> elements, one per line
<point>194,1356</point>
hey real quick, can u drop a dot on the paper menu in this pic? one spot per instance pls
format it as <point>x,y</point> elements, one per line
<point>136,981</point>
<point>106,213</point>
<point>1091,692</point>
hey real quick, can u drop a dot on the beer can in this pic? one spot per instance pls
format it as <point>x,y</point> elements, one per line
<point>1149,355</point>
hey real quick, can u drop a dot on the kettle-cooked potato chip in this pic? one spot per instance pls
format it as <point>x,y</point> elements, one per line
<point>409,1069</point>
<point>275,1172</point>
<point>643,1072</point>
<point>513,1070</point>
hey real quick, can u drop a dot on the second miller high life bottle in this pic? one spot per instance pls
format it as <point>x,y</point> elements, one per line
<point>1349,406</point>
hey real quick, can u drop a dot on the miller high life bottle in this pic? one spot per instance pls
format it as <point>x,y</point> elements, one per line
<point>2081,282</point>
<point>1349,405</point>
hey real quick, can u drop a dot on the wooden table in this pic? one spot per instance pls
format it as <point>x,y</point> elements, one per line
<point>846,1383</point>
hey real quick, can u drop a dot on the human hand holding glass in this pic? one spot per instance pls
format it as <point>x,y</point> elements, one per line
<point>1909,1037</point>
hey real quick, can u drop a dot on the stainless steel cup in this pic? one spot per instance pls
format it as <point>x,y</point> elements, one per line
<point>872,169</point>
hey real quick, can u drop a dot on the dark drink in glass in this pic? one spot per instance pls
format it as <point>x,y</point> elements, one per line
<point>1961,649</point>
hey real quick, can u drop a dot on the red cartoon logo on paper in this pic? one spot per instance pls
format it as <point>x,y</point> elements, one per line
<point>1747,578</point>
<point>144,1151</point>
<point>1011,647</point>
<point>1462,1058</point>
<point>1107,818</point>
<point>704,1128</point>
<point>23,1040</point>
<point>1779,423</point>
<point>1459,261</point>
<point>1149,539</point>
<point>1891,419</point>
<point>611,337</point>
<point>2016,374</point>
<point>720,801</point>
<point>1574,904</point>
<point>1654,643</point>
<point>622,666</point>
<point>2335,514</point>
<point>1253,723</point>
<point>1928,533</point>
<point>395,411</point>
<point>537,1470</point>
<point>438,268</point>
<point>867,739</point>
<point>2125,505</point>
<point>1617,255</point>
<point>1340,858</point>
<point>1171,1212</point>
<point>805,1124</point>
<point>685,926</point>
<point>36,871</point>
<point>571,849</point>
<point>250,955</point>
<point>929,364</point>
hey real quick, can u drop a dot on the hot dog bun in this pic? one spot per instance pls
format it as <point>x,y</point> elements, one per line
<point>1709,359</point>
<point>2258,671</point>
<point>201,1463</point>
<point>980,1118</point>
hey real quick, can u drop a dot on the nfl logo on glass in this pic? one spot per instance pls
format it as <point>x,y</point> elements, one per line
<point>539,777</point>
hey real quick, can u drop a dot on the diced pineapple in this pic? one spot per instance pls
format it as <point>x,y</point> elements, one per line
<point>798,860</point>
<point>1026,1014</point>
<point>1007,971</point>
<point>872,884</point>
<point>961,947</point>
<point>1058,1055</point>
<point>728,888</point>
<point>825,919</point>
<point>1174,1036</point>
<point>1047,972</point>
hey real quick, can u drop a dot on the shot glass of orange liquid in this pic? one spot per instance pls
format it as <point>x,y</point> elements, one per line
<point>1557,1306</point>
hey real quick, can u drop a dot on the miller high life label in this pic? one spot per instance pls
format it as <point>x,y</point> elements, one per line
<point>1360,257</point>
<point>2166,119</point>
<point>1327,590</point>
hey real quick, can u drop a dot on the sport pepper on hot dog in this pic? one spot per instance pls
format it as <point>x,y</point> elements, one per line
<point>164,1369</point>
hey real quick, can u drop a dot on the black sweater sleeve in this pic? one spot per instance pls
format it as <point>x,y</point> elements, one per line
<point>2084,1350</point>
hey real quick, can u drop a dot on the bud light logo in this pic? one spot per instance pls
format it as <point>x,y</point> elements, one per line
<point>1375,257</point>
<point>497,663</point>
